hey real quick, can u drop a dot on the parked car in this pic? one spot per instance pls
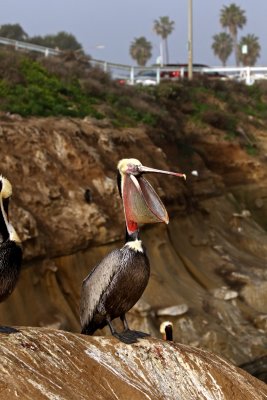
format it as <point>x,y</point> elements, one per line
<point>121,81</point>
<point>171,74</point>
<point>180,71</point>
<point>146,77</point>
<point>149,77</point>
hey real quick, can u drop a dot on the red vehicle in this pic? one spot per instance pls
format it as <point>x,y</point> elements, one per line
<point>172,74</point>
<point>181,71</point>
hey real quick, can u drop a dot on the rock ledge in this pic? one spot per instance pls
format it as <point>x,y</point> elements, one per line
<point>39,363</point>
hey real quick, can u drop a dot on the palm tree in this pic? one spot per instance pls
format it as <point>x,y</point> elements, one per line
<point>141,50</point>
<point>251,43</point>
<point>164,27</point>
<point>222,46</point>
<point>233,18</point>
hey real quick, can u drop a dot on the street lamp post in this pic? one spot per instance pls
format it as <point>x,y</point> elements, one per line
<point>190,40</point>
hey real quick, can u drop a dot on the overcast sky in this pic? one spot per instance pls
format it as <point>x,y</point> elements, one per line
<point>106,28</point>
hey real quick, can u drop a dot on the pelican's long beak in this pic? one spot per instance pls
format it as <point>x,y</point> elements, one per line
<point>144,169</point>
<point>141,202</point>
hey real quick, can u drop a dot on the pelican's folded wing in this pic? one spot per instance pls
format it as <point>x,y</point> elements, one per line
<point>96,283</point>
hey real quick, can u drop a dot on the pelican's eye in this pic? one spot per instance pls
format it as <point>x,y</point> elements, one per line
<point>133,169</point>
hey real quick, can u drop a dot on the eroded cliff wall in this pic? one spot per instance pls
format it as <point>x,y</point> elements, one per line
<point>208,264</point>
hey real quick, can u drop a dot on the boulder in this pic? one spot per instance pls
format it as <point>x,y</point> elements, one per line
<point>41,363</point>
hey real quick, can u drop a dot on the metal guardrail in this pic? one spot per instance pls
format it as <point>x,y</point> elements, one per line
<point>129,73</point>
<point>29,46</point>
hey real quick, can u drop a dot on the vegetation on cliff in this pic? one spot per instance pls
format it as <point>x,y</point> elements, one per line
<point>70,86</point>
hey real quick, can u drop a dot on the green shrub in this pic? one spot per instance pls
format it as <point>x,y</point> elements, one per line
<point>69,86</point>
<point>41,93</point>
<point>220,120</point>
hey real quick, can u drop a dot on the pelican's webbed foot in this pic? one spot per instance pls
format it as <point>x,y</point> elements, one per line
<point>7,330</point>
<point>129,332</point>
<point>139,334</point>
<point>128,336</point>
<point>125,337</point>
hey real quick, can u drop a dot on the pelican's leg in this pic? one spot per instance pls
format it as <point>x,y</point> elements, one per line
<point>129,332</point>
<point>123,337</point>
<point>125,323</point>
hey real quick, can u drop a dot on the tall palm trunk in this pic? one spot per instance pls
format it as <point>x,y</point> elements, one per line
<point>162,52</point>
<point>236,50</point>
<point>233,32</point>
<point>166,50</point>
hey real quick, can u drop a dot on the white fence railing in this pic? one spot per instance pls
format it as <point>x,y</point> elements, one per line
<point>155,73</point>
<point>29,46</point>
<point>131,73</point>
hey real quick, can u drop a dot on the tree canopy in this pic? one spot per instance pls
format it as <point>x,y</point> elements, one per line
<point>141,50</point>
<point>13,31</point>
<point>222,46</point>
<point>233,18</point>
<point>164,27</point>
<point>62,40</point>
<point>252,46</point>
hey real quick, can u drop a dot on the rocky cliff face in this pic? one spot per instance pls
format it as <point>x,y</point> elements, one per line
<point>208,267</point>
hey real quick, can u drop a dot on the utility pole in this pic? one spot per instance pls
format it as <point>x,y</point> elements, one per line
<point>190,40</point>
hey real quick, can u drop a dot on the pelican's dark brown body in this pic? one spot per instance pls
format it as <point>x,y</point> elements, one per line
<point>10,245</point>
<point>10,264</point>
<point>126,277</point>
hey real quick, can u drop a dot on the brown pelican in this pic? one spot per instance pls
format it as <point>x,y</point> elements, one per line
<point>119,280</point>
<point>10,247</point>
<point>166,329</point>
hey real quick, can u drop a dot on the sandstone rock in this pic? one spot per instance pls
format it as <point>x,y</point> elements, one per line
<point>173,310</point>
<point>224,293</point>
<point>256,295</point>
<point>260,321</point>
<point>259,203</point>
<point>49,364</point>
